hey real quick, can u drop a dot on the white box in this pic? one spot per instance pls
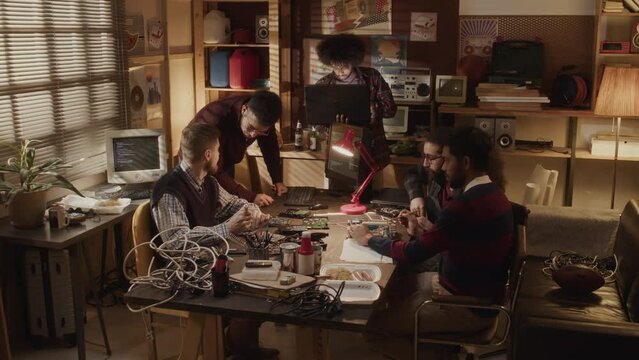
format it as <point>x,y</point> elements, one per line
<point>604,145</point>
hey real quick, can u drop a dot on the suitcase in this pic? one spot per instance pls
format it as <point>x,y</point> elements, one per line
<point>219,68</point>
<point>244,67</point>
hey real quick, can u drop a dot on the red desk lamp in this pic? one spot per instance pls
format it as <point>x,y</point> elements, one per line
<point>345,147</point>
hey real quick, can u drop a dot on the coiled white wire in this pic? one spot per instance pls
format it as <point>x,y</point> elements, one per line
<point>182,270</point>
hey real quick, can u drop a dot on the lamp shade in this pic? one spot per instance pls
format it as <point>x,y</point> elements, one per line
<point>619,92</point>
<point>344,146</point>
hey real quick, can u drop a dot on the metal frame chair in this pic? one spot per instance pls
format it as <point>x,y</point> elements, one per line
<point>485,338</point>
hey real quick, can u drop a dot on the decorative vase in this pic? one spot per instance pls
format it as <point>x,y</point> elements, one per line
<point>26,210</point>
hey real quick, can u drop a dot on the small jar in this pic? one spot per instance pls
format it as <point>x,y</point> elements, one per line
<point>288,253</point>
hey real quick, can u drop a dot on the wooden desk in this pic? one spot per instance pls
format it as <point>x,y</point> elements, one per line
<point>71,239</point>
<point>205,307</point>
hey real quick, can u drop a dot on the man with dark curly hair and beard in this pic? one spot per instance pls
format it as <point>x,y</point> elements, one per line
<point>344,53</point>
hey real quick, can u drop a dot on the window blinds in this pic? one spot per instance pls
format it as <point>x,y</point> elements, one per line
<point>62,78</point>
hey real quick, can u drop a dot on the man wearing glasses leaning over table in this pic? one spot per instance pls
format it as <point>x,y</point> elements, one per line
<point>242,120</point>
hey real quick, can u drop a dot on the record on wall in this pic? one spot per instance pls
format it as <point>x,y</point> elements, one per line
<point>137,97</point>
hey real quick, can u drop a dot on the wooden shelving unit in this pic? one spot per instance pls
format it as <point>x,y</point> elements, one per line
<point>208,46</point>
<point>208,88</point>
<point>275,55</point>
<point>561,153</point>
<point>548,112</point>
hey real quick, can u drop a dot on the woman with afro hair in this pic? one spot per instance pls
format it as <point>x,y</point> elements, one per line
<point>344,53</point>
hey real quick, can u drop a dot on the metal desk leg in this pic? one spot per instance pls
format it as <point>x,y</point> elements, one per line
<point>78,298</point>
<point>311,343</point>
<point>98,301</point>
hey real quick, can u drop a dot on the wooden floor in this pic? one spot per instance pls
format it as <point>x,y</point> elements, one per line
<point>126,334</point>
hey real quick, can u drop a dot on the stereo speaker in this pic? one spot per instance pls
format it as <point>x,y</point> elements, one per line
<point>487,125</point>
<point>261,29</point>
<point>634,37</point>
<point>505,134</point>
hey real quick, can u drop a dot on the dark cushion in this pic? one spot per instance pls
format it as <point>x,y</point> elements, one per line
<point>540,296</point>
<point>627,251</point>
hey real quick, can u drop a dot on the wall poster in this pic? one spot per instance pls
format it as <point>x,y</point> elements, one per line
<point>476,37</point>
<point>361,17</point>
<point>423,26</point>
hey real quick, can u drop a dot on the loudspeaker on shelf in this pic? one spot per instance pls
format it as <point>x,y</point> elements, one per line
<point>261,29</point>
<point>634,37</point>
<point>487,125</point>
<point>505,134</point>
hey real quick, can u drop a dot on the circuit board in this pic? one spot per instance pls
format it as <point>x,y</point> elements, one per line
<point>316,223</point>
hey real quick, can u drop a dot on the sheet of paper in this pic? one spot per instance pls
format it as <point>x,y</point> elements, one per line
<point>353,252</point>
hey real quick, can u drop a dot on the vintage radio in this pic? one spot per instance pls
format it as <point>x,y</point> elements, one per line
<point>614,47</point>
<point>410,87</point>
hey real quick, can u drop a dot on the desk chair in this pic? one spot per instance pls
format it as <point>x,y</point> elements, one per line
<point>142,233</point>
<point>487,339</point>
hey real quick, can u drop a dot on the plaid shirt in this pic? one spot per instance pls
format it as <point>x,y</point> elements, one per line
<point>169,213</point>
<point>383,105</point>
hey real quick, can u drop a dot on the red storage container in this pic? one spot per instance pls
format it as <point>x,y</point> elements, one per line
<point>244,67</point>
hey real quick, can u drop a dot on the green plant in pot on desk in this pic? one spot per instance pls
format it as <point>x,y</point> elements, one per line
<point>26,195</point>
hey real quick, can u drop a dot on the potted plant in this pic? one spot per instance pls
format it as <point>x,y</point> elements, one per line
<point>27,196</point>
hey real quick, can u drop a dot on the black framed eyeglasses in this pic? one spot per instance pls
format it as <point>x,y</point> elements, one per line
<point>431,157</point>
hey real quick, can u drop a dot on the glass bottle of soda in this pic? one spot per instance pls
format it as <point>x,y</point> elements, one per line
<point>299,137</point>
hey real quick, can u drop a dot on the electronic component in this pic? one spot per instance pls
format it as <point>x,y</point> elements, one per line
<point>287,280</point>
<point>295,213</point>
<point>316,223</point>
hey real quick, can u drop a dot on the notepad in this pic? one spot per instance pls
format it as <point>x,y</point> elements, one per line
<point>354,252</point>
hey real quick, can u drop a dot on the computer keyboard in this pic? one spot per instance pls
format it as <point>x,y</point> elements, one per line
<point>136,194</point>
<point>300,196</point>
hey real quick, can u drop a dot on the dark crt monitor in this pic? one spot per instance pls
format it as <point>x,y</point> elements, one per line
<point>347,171</point>
<point>324,102</point>
<point>135,156</point>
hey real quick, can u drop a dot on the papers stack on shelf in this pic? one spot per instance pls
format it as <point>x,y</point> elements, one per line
<point>509,97</point>
<point>613,6</point>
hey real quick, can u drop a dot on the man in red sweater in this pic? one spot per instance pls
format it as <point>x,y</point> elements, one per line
<point>474,236</point>
<point>242,120</point>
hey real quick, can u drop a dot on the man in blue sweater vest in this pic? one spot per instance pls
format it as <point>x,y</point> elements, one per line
<point>474,236</point>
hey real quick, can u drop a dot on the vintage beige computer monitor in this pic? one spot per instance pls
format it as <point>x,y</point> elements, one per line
<point>450,89</point>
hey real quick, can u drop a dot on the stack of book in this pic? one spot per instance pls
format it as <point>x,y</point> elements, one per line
<point>509,97</point>
<point>613,6</point>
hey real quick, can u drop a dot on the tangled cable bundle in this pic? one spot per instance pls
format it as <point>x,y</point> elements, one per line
<point>579,275</point>
<point>606,267</point>
<point>315,300</point>
<point>188,264</point>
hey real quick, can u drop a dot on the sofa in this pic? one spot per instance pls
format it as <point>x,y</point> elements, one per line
<point>552,324</point>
